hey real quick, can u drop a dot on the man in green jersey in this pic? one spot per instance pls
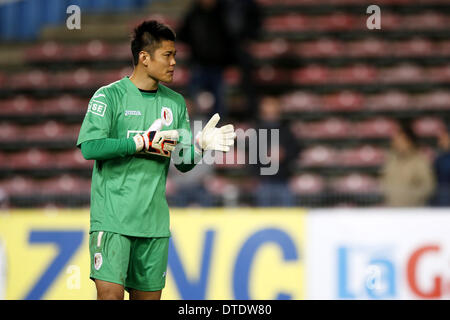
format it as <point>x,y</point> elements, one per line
<point>131,129</point>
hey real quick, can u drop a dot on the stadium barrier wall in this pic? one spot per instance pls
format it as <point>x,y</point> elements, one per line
<point>245,253</point>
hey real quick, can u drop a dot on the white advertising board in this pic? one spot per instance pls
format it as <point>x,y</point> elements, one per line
<point>378,254</point>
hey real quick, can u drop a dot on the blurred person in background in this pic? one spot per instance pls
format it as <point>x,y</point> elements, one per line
<point>441,168</point>
<point>273,190</point>
<point>189,187</point>
<point>407,178</point>
<point>205,31</point>
<point>243,21</point>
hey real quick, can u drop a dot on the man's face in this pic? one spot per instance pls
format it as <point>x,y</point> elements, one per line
<point>161,64</point>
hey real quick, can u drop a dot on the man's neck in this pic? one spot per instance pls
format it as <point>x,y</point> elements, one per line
<point>142,81</point>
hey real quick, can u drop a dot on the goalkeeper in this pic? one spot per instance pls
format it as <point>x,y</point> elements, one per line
<point>131,129</point>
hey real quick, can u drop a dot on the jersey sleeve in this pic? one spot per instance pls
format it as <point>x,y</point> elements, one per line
<point>98,118</point>
<point>185,158</point>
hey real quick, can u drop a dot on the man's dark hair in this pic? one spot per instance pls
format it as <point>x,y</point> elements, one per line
<point>148,36</point>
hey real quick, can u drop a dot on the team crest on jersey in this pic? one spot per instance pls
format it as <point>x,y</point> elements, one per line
<point>98,260</point>
<point>167,116</point>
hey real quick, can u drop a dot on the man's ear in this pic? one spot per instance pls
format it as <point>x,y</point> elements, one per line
<point>144,57</point>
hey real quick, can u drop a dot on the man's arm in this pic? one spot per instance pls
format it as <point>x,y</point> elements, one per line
<point>107,148</point>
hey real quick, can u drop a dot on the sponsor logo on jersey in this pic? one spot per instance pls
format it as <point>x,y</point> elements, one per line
<point>97,107</point>
<point>98,260</point>
<point>166,116</point>
<point>132,113</point>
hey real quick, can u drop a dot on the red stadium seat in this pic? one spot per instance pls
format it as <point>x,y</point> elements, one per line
<point>31,159</point>
<point>285,23</point>
<point>94,50</point>
<point>300,101</point>
<point>404,73</point>
<point>343,101</point>
<point>272,49</point>
<point>307,184</point>
<point>330,128</point>
<point>51,131</point>
<point>19,105</point>
<point>429,126</point>
<point>33,79</point>
<point>64,184</point>
<point>379,127</point>
<point>72,159</point>
<point>439,74</point>
<point>425,21</point>
<point>354,183</point>
<point>318,156</point>
<point>368,47</point>
<point>312,74</point>
<point>363,156</point>
<point>413,47</point>
<point>46,52</point>
<point>355,74</point>
<point>375,128</point>
<point>18,185</point>
<point>64,104</point>
<point>270,75</point>
<point>10,131</point>
<point>320,48</point>
<point>338,21</point>
<point>389,100</point>
<point>435,100</point>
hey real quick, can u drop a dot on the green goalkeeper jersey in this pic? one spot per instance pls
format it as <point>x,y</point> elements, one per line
<point>128,193</point>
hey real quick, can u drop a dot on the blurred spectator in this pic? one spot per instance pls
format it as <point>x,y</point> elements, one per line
<point>407,178</point>
<point>442,172</point>
<point>243,21</point>
<point>274,190</point>
<point>188,187</point>
<point>205,31</point>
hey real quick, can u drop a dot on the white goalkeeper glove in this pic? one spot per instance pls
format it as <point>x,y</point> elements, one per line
<point>212,138</point>
<point>155,141</point>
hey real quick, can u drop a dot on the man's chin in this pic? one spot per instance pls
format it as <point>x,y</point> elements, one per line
<point>167,79</point>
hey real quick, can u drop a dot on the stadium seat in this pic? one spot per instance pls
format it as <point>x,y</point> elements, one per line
<point>33,79</point>
<point>269,75</point>
<point>17,106</point>
<point>269,49</point>
<point>318,156</point>
<point>72,159</point>
<point>368,47</point>
<point>10,131</point>
<point>343,101</point>
<point>51,131</point>
<point>366,155</point>
<point>64,184</point>
<point>330,128</point>
<point>63,104</point>
<point>300,101</point>
<point>320,48</point>
<point>358,74</point>
<point>389,100</point>
<point>49,51</point>
<point>434,100</point>
<point>17,185</point>
<point>31,159</point>
<point>375,128</point>
<point>94,50</point>
<point>312,74</point>
<point>403,73</point>
<point>429,126</point>
<point>307,184</point>
<point>354,183</point>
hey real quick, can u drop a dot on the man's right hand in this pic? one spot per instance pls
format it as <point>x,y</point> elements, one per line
<point>155,141</point>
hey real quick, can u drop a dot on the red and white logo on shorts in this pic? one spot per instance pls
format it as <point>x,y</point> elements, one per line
<point>98,260</point>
